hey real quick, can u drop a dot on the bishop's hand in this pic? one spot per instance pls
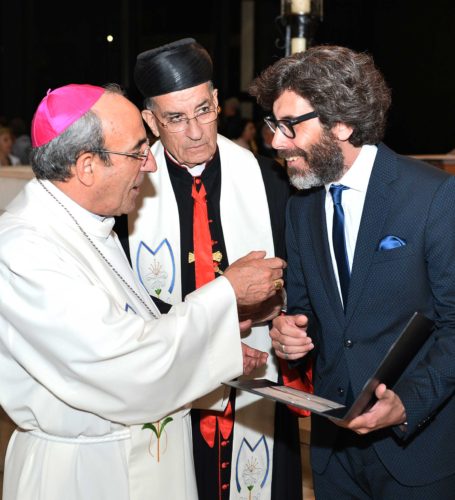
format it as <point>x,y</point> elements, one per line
<point>255,278</point>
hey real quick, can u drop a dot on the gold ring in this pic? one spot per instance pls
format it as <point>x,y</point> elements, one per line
<point>283,350</point>
<point>278,285</point>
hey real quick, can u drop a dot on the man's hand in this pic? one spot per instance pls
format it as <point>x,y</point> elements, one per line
<point>254,278</point>
<point>289,337</point>
<point>252,358</point>
<point>265,311</point>
<point>387,411</point>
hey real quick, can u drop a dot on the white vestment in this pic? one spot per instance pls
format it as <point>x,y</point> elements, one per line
<point>154,230</point>
<point>84,364</point>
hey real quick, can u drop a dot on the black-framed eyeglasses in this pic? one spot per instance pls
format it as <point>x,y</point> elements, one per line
<point>143,155</point>
<point>286,125</point>
<point>180,123</point>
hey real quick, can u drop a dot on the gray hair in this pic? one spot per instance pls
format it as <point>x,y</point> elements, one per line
<point>341,85</point>
<point>53,161</point>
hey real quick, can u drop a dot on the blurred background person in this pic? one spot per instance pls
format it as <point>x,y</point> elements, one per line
<point>264,142</point>
<point>245,135</point>
<point>229,117</point>
<point>22,144</point>
<point>6,145</point>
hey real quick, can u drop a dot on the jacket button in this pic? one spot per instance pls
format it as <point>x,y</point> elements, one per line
<point>224,443</point>
<point>225,486</point>
<point>225,465</point>
<point>348,343</point>
<point>340,390</point>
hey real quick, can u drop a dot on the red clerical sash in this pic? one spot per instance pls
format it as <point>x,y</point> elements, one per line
<point>202,240</point>
<point>205,272</point>
<point>292,378</point>
<point>209,420</point>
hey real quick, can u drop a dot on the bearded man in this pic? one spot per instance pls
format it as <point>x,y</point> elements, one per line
<point>370,240</point>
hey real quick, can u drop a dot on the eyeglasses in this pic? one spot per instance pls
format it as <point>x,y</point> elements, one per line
<point>143,156</point>
<point>286,125</point>
<point>180,123</point>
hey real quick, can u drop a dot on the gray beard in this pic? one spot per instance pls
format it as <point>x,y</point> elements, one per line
<point>307,181</point>
<point>324,160</point>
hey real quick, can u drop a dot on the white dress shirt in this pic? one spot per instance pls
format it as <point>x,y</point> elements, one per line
<point>352,200</point>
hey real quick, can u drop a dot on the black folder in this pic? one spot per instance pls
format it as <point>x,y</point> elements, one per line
<point>392,366</point>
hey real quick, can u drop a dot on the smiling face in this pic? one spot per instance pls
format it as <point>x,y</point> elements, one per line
<point>116,186</point>
<point>315,156</point>
<point>197,143</point>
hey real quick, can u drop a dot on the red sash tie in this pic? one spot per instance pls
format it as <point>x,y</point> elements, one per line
<point>202,241</point>
<point>205,271</point>
<point>292,378</point>
<point>209,420</point>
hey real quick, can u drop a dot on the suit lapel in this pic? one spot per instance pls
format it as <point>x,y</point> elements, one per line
<point>375,211</point>
<point>322,252</point>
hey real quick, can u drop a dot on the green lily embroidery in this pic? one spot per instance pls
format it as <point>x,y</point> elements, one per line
<point>157,429</point>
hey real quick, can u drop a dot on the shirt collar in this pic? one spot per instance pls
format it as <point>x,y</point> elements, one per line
<point>358,175</point>
<point>195,171</point>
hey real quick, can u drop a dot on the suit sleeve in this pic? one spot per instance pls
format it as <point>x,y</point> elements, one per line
<point>297,293</point>
<point>427,388</point>
<point>298,302</point>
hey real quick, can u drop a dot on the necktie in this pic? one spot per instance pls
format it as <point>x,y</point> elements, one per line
<point>205,272</point>
<point>339,241</point>
<point>202,240</point>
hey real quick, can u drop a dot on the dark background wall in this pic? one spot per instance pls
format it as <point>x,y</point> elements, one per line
<point>49,43</point>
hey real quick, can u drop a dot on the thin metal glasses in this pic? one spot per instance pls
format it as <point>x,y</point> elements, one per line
<point>143,155</point>
<point>180,123</point>
<point>286,125</point>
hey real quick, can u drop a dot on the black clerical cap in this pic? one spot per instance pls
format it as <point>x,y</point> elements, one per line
<point>176,66</point>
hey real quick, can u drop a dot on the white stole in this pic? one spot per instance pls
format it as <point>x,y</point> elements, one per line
<point>154,230</point>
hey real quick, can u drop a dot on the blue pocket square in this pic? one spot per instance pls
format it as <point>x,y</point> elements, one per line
<point>390,242</point>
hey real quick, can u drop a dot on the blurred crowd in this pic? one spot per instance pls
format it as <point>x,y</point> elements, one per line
<point>15,144</point>
<point>255,136</point>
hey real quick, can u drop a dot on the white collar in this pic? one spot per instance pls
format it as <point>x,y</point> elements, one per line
<point>195,171</point>
<point>358,175</point>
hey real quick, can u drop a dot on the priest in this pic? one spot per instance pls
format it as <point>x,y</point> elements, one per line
<point>89,369</point>
<point>210,202</point>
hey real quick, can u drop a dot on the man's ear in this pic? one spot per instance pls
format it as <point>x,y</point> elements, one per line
<point>215,97</point>
<point>342,131</point>
<point>150,120</point>
<point>84,169</point>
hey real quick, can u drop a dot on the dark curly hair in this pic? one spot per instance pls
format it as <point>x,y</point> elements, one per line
<point>341,85</point>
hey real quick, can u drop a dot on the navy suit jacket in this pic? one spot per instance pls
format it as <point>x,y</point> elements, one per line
<point>415,202</point>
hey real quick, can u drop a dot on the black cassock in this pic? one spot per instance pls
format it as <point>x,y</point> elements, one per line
<point>213,465</point>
